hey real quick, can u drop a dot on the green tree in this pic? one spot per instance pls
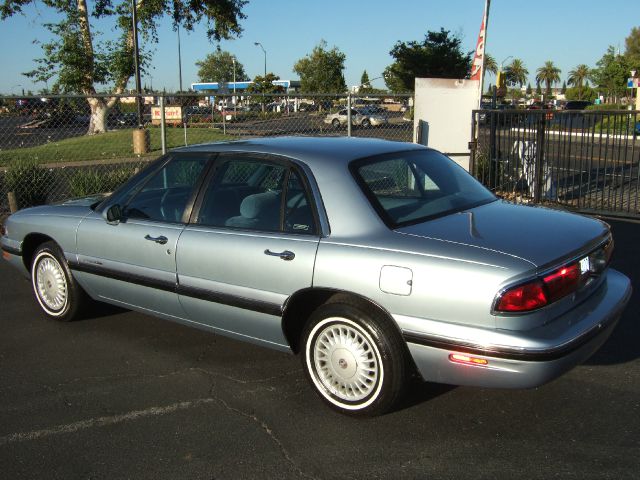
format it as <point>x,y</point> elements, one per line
<point>321,70</point>
<point>581,93</point>
<point>578,78</point>
<point>393,82</point>
<point>632,48</point>
<point>490,64</point>
<point>439,55</point>
<point>529,89</point>
<point>516,72</point>
<point>79,62</point>
<point>264,84</point>
<point>610,75</point>
<point>538,89</point>
<point>219,67</point>
<point>365,84</point>
<point>548,74</point>
<point>563,90</point>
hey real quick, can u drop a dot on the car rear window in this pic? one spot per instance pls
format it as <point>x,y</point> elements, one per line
<point>411,187</point>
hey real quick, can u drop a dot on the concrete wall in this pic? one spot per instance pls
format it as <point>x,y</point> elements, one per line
<point>442,115</point>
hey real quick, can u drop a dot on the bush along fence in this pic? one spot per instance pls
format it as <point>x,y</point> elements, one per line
<point>583,160</point>
<point>56,147</point>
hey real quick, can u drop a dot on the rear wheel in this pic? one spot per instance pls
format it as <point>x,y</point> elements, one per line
<point>56,291</point>
<point>354,359</point>
<point>366,123</point>
<point>335,123</point>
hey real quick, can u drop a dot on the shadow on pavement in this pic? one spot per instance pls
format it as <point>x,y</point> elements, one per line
<point>622,346</point>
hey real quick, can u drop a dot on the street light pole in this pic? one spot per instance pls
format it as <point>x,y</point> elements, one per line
<point>258,44</point>
<point>265,73</point>
<point>502,62</point>
<point>179,59</point>
<point>235,99</point>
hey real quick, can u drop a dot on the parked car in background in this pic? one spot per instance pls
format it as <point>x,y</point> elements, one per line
<point>373,110</point>
<point>375,261</point>
<point>576,105</point>
<point>308,107</point>
<point>358,118</point>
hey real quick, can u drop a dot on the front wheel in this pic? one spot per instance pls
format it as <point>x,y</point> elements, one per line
<point>354,359</point>
<point>53,286</point>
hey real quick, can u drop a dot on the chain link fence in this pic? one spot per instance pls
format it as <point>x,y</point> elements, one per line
<point>58,147</point>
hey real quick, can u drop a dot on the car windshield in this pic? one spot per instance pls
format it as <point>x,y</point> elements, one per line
<point>411,187</point>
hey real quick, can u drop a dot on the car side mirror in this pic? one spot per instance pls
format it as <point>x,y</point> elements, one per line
<point>113,214</point>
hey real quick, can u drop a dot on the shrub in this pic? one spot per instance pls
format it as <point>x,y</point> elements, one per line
<point>87,182</point>
<point>30,182</point>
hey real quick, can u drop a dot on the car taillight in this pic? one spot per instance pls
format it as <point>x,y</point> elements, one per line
<point>562,282</point>
<point>557,284</point>
<point>545,290</point>
<point>523,298</point>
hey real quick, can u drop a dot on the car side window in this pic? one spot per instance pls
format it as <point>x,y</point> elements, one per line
<point>298,215</point>
<point>244,193</point>
<point>248,194</point>
<point>164,197</point>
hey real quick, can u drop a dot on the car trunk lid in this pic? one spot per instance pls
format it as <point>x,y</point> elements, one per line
<point>539,235</point>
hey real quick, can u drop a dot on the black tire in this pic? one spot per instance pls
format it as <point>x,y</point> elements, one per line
<point>354,359</point>
<point>366,123</point>
<point>55,289</point>
<point>336,123</point>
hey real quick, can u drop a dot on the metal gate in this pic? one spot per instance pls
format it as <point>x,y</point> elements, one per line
<point>583,160</point>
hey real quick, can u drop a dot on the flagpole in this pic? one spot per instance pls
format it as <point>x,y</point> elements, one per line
<point>485,23</point>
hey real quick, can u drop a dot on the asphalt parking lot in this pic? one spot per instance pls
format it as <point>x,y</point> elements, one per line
<point>124,395</point>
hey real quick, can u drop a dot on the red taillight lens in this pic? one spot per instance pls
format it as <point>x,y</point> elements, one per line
<point>538,293</point>
<point>562,282</point>
<point>523,298</point>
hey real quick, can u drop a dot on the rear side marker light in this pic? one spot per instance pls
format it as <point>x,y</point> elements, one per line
<point>467,360</point>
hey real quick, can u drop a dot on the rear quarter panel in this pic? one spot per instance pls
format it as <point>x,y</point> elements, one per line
<point>449,283</point>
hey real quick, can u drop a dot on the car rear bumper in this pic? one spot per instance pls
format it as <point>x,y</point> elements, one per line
<point>523,359</point>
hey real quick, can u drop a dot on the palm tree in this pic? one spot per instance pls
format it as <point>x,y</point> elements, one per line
<point>579,77</point>
<point>490,64</point>
<point>516,72</point>
<point>549,74</point>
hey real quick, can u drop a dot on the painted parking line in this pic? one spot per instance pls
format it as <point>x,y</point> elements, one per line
<point>102,421</point>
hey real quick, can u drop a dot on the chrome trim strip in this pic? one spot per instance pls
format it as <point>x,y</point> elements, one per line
<point>231,300</point>
<point>194,292</point>
<point>11,250</point>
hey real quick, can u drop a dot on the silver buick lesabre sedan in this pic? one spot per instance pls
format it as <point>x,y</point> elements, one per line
<point>373,260</point>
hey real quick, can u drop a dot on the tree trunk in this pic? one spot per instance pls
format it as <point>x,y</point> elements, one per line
<point>99,111</point>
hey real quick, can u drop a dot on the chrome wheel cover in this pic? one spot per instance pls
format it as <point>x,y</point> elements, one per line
<point>50,284</point>
<point>345,363</point>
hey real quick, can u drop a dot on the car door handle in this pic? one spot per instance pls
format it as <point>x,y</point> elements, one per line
<point>161,239</point>
<point>286,255</point>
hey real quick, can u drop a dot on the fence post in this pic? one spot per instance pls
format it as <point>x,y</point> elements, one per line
<point>13,202</point>
<point>223,112</point>
<point>473,144</point>
<point>163,127</point>
<point>349,114</point>
<point>539,167</point>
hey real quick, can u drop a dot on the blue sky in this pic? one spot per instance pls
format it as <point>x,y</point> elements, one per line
<point>567,32</point>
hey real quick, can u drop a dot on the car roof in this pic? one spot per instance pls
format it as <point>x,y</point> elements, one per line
<point>311,150</point>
